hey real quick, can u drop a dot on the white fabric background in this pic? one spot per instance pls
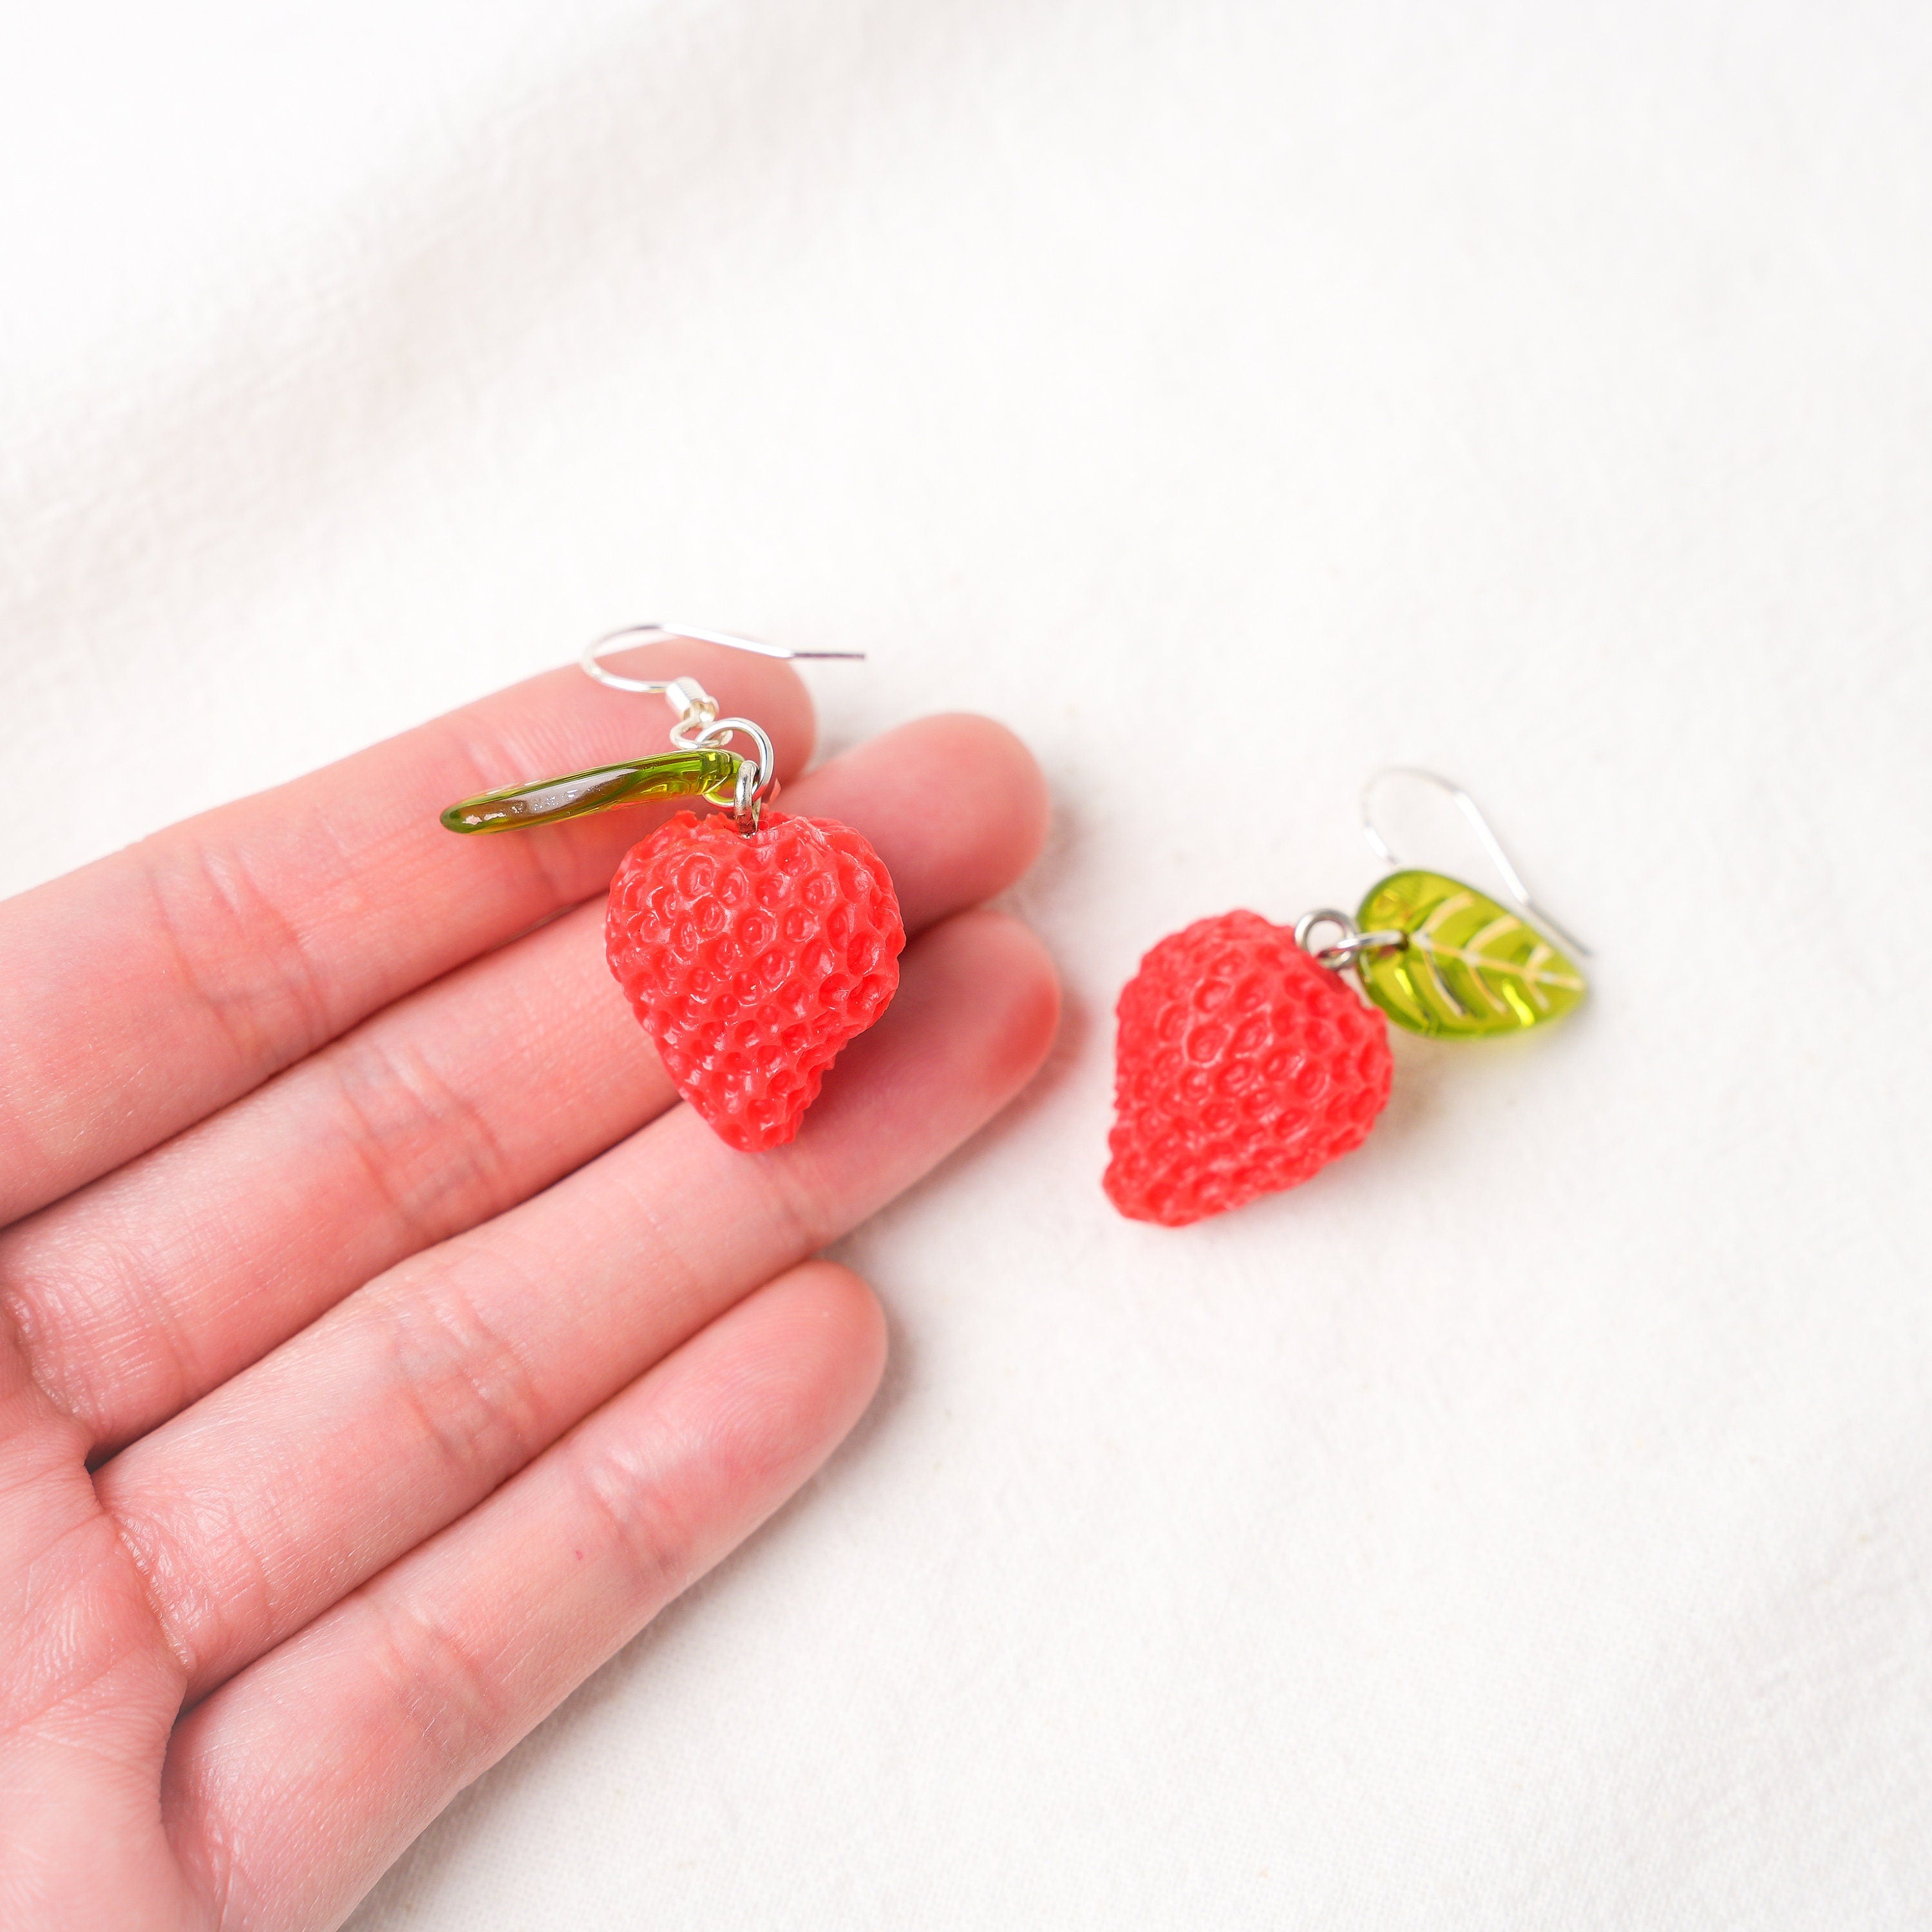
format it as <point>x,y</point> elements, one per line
<point>1529,1523</point>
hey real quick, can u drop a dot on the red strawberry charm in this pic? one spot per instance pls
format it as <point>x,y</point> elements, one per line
<point>751,959</point>
<point>1243,1067</point>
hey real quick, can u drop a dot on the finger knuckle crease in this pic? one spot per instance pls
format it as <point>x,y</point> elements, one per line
<point>240,956</point>
<point>648,1536</point>
<point>448,1696</point>
<point>204,1580</point>
<point>471,1390</point>
<point>431,1152</point>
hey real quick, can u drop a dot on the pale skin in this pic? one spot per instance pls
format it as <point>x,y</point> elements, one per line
<point>382,1344</point>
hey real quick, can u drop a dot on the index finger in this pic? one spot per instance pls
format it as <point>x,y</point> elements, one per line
<point>147,990</point>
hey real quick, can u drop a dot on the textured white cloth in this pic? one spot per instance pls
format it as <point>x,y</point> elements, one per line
<point>1528,1524</point>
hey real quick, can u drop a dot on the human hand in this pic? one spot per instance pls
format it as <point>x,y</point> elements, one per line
<point>381,1345</point>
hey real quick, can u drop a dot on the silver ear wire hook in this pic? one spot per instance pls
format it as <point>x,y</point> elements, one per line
<point>1512,879</point>
<point>701,763</point>
<point>640,634</point>
<point>698,723</point>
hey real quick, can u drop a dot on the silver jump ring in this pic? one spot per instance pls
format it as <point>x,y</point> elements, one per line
<point>765,766</point>
<point>757,776</point>
<point>746,803</point>
<point>1353,944</point>
<point>1351,948</point>
<point>1305,926</point>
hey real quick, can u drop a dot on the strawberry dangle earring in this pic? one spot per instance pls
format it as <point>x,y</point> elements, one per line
<point>752,945</point>
<point>1246,1063</point>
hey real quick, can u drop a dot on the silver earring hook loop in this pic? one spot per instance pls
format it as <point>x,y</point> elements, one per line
<point>1512,879</point>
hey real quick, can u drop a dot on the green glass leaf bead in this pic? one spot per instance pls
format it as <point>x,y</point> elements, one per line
<point>1470,967</point>
<point>710,773</point>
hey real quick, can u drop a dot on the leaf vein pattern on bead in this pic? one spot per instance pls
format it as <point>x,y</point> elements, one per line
<point>1470,967</point>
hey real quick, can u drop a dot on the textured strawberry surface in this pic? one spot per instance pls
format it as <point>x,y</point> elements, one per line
<point>750,961</point>
<point>1242,1067</point>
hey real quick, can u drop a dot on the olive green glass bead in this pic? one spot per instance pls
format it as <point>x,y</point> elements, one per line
<point>1469,966</point>
<point>710,773</point>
